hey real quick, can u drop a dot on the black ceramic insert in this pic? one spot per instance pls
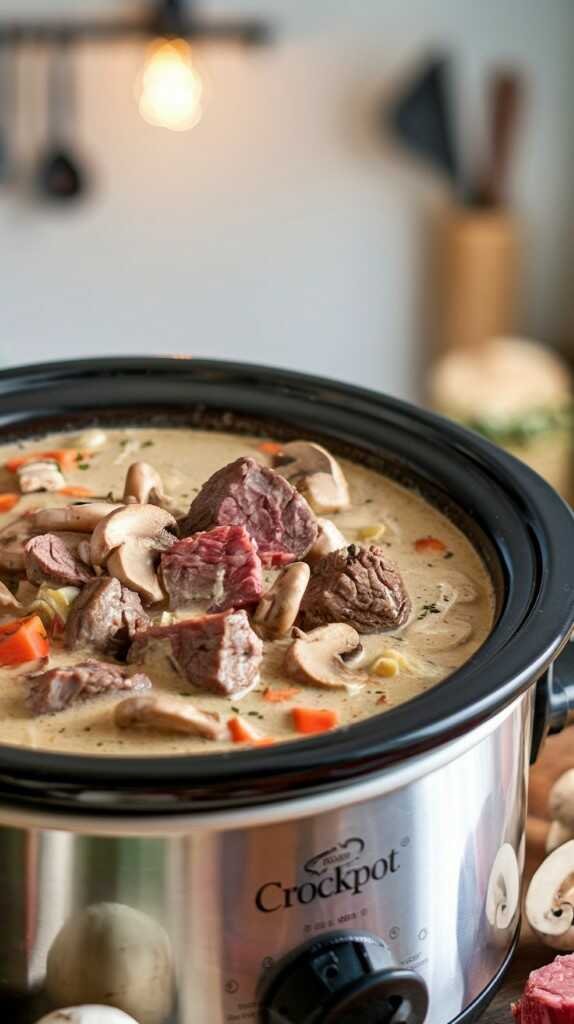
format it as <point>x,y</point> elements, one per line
<point>523,529</point>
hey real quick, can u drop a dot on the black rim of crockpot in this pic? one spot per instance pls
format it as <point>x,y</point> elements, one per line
<point>526,531</point>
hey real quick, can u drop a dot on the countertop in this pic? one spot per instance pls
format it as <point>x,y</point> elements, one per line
<point>557,755</point>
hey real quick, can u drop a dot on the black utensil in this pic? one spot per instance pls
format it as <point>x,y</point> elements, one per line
<point>60,173</point>
<point>421,117</point>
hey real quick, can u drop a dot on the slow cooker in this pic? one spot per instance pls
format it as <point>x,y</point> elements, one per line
<point>367,875</point>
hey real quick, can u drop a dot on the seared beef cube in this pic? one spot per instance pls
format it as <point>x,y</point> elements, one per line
<point>59,688</point>
<point>105,616</point>
<point>358,586</point>
<point>50,560</point>
<point>220,566</point>
<point>247,494</point>
<point>219,653</point>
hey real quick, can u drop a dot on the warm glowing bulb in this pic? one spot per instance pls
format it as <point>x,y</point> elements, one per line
<point>171,87</point>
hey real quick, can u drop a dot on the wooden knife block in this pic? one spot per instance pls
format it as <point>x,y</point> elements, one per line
<point>477,269</point>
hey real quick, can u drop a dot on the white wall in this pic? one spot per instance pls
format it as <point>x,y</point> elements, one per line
<point>279,230</point>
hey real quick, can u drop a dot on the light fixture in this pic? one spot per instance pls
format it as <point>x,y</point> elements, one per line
<point>171,89</point>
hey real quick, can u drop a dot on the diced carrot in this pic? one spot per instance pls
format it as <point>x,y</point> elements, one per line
<point>429,544</point>
<point>267,741</point>
<point>276,696</point>
<point>242,731</point>
<point>65,457</point>
<point>23,640</point>
<point>76,492</point>
<point>309,720</point>
<point>269,447</point>
<point>7,501</point>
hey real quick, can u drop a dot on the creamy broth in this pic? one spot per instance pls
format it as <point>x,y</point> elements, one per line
<point>451,594</point>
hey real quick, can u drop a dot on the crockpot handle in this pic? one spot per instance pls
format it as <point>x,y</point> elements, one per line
<point>554,701</point>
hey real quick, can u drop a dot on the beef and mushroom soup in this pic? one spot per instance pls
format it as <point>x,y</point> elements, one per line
<point>173,591</point>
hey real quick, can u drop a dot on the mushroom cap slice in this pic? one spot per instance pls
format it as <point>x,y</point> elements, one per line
<point>316,474</point>
<point>503,892</point>
<point>314,658</point>
<point>134,565</point>
<point>87,1014</point>
<point>128,521</point>
<point>279,607</point>
<point>329,538</point>
<point>141,479</point>
<point>550,899</point>
<point>82,517</point>
<point>558,834</point>
<point>561,799</point>
<point>170,715</point>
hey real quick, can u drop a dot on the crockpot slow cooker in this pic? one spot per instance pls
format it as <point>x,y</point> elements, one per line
<point>367,875</point>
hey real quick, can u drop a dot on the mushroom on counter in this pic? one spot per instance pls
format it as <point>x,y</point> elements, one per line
<point>113,954</point>
<point>550,899</point>
<point>167,714</point>
<point>329,538</point>
<point>87,1015</point>
<point>315,473</point>
<point>561,808</point>
<point>278,608</point>
<point>316,658</point>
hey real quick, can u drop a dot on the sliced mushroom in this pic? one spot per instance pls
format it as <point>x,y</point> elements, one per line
<point>8,601</point>
<point>88,1014</point>
<point>503,892</point>
<point>445,634</point>
<point>82,516</point>
<point>329,538</point>
<point>141,480</point>
<point>278,608</point>
<point>558,834</point>
<point>316,658</point>
<point>40,476</point>
<point>561,799</point>
<point>134,564</point>
<point>550,899</point>
<point>167,714</point>
<point>316,474</point>
<point>126,522</point>
<point>13,539</point>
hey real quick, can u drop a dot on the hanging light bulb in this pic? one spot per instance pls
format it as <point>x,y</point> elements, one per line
<point>171,90</point>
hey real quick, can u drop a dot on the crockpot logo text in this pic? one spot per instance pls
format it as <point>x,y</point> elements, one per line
<point>341,868</point>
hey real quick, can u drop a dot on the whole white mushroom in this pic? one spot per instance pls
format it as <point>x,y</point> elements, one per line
<point>561,799</point>
<point>87,1015</point>
<point>113,955</point>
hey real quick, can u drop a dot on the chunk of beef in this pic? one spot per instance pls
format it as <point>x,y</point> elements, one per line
<point>105,616</point>
<point>220,566</point>
<point>219,653</point>
<point>256,497</point>
<point>49,559</point>
<point>356,585</point>
<point>59,688</point>
<point>549,994</point>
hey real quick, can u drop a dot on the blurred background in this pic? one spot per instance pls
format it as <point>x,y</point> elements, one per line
<point>361,186</point>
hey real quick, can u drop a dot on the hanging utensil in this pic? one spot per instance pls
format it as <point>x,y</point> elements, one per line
<point>61,175</point>
<point>505,103</point>
<point>422,119</point>
<point>8,74</point>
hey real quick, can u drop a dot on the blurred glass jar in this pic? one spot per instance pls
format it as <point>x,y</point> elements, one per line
<point>519,395</point>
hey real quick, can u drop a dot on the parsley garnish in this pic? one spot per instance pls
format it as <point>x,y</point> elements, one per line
<point>148,444</point>
<point>83,465</point>
<point>428,609</point>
